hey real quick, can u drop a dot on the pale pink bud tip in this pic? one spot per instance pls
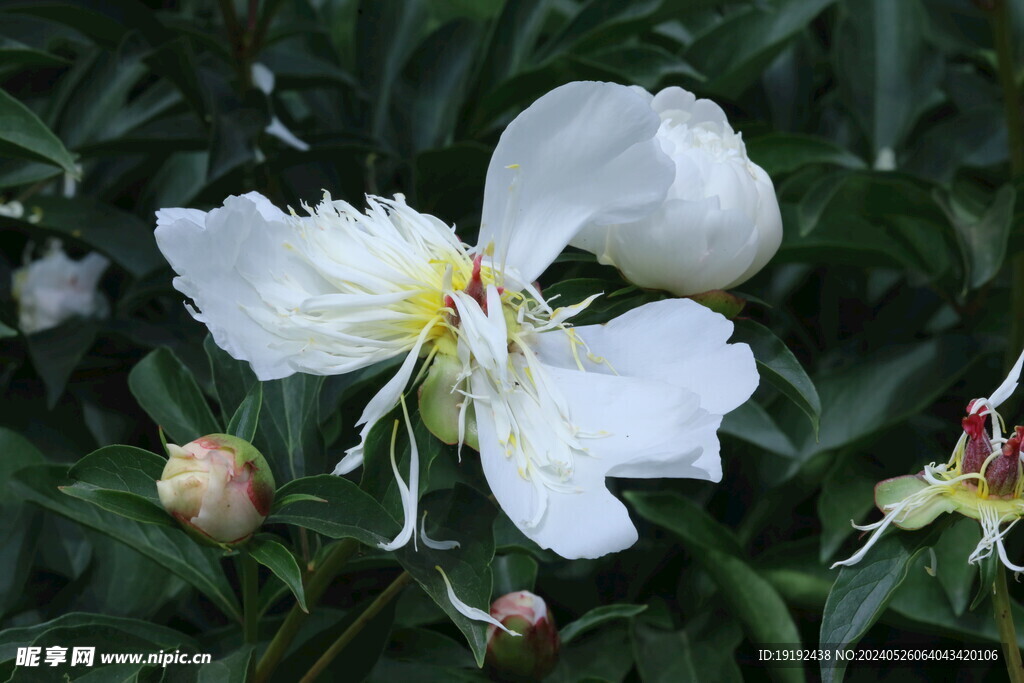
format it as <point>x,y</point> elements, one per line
<point>219,487</point>
<point>531,656</point>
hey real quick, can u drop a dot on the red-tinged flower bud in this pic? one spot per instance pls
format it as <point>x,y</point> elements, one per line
<point>219,487</point>
<point>533,655</point>
<point>1003,471</point>
<point>979,447</point>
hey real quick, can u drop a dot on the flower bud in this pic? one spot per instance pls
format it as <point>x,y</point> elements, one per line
<point>441,406</point>
<point>720,223</point>
<point>219,487</point>
<point>1003,471</point>
<point>56,288</point>
<point>978,447</point>
<point>533,655</point>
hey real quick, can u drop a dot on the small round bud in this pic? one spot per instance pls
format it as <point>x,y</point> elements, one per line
<point>534,654</point>
<point>219,487</point>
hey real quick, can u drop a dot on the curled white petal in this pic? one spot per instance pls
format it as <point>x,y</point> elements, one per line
<point>992,533</point>
<point>409,494</point>
<point>905,506</point>
<point>431,543</point>
<point>1009,385</point>
<point>471,612</point>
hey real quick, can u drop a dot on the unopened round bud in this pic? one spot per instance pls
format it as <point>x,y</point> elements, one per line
<point>534,654</point>
<point>219,487</point>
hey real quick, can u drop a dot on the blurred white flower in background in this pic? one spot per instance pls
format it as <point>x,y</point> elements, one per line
<point>263,78</point>
<point>56,288</point>
<point>720,223</point>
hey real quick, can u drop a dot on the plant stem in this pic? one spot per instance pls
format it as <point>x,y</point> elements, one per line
<point>357,626</point>
<point>1004,622</point>
<point>315,587</point>
<point>1002,38</point>
<point>250,597</point>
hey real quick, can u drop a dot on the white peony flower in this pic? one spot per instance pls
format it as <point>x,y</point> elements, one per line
<point>56,288</point>
<point>720,223</point>
<point>554,409</point>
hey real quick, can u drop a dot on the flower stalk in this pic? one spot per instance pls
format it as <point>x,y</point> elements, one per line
<point>1004,622</point>
<point>356,627</point>
<point>250,597</point>
<point>316,586</point>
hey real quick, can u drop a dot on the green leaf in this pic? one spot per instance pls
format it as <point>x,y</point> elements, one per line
<point>20,535</point>
<point>987,570</point>
<point>126,239</point>
<point>56,352</point>
<point>953,570</point>
<point>644,65</point>
<point>703,651</point>
<point>882,389</point>
<point>780,368</point>
<point>435,82</point>
<point>983,238</point>
<point>597,617</point>
<point>595,21</point>
<point>169,547</point>
<point>121,503</point>
<point>232,379</point>
<point>347,512</point>
<point>465,516</point>
<point>886,69</point>
<point>735,51</point>
<point>750,599</point>
<point>231,669</point>
<point>846,493</point>
<point>781,153</point>
<point>512,40</point>
<point>861,592</point>
<point>754,425</point>
<point>121,468</point>
<point>105,633</point>
<point>287,433</point>
<point>244,422</point>
<point>24,136</point>
<point>168,393</point>
<point>278,559</point>
<point>386,33</point>
<point>514,572</point>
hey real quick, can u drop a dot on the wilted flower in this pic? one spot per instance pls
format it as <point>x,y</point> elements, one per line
<point>530,657</point>
<point>555,409</point>
<point>720,223</point>
<point>982,480</point>
<point>56,288</point>
<point>219,487</point>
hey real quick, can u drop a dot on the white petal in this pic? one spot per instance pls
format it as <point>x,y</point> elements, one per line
<point>629,427</point>
<point>471,612</point>
<point>686,247</point>
<point>583,154</point>
<point>649,429</point>
<point>431,543</point>
<point>380,405</point>
<point>213,254</point>
<point>325,294</point>
<point>677,341</point>
<point>1009,385</point>
<point>281,132</point>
